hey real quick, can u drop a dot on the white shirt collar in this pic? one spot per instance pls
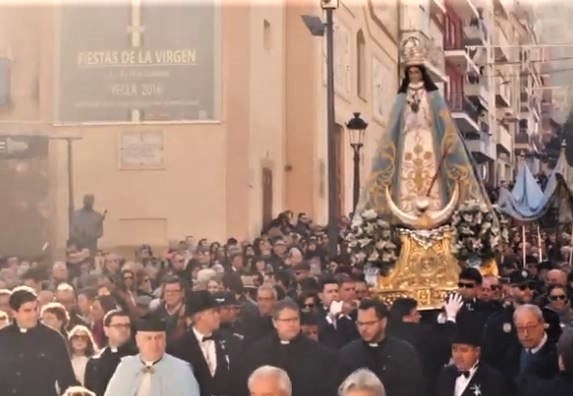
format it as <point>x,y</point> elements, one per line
<point>199,335</point>
<point>538,348</point>
<point>462,382</point>
<point>22,330</point>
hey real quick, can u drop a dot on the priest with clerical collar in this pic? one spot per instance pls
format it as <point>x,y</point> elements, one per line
<point>152,372</point>
<point>35,358</point>
<point>308,364</point>
<point>101,366</point>
<point>394,361</point>
<point>467,376</point>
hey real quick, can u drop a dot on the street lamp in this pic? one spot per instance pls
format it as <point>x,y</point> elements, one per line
<point>356,128</point>
<point>318,28</point>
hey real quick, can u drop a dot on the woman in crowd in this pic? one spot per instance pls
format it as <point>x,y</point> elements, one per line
<point>55,316</point>
<point>82,347</point>
<point>126,292</point>
<point>558,301</point>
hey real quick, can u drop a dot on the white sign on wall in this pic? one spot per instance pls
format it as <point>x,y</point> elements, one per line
<point>141,150</point>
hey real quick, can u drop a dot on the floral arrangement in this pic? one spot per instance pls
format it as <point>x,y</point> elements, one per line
<point>373,238</point>
<point>477,231</point>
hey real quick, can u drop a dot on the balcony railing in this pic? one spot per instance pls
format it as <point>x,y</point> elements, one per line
<point>504,137</point>
<point>463,105</point>
<point>480,145</point>
<point>522,138</point>
<point>503,92</point>
<point>475,32</point>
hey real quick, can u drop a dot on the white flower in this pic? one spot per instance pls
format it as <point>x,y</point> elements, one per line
<point>357,222</point>
<point>369,214</point>
<point>364,242</point>
<point>370,228</point>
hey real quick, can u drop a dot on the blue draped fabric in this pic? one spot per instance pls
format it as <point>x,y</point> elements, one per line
<point>527,202</point>
<point>458,164</point>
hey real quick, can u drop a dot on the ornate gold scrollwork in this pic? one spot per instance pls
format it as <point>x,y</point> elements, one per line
<point>424,271</point>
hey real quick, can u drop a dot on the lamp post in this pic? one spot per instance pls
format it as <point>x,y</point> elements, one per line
<point>318,28</point>
<point>356,128</point>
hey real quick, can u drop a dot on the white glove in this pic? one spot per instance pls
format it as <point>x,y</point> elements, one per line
<point>335,308</point>
<point>453,306</point>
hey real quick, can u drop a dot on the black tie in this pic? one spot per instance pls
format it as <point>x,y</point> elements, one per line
<point>208,338</point>
<point>464,373</point>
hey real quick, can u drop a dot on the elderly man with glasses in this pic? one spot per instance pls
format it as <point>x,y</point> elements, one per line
<point>502,348</point>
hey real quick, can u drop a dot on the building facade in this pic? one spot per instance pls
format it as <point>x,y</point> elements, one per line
<point>207,127</point>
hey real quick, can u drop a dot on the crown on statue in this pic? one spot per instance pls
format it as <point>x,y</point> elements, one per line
<point>414,51</point>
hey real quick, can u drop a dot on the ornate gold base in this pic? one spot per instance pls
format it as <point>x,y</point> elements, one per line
<point>426,270</point>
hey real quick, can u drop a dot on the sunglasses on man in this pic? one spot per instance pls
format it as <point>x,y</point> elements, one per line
<point>558,297</point>
<point>525,286</point>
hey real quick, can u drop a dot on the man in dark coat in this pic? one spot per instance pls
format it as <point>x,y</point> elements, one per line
<point>474,312</point>
<point>501,347</point>
<point>431,341</point>
<point>229,328</point>
<point>562,384</point>
<point>538,355</point>
<point>259,325</point>
<point>308,364</point>
<point>467,376</point>
<point>34,358</point>
<point>394,361</point>
<point>100,367</point>
<point>172,306</point>
<point>207,352</point>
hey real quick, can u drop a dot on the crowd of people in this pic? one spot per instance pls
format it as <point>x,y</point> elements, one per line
<point>278,317</point>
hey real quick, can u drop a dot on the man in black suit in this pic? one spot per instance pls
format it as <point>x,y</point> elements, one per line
<point>467,376</point>
<point>308,363</point>
<point>100,367</point>
<point>562,384</point>
<point>207,352</point>
<point>431,340</point>
<point>474,312</point>
<point>395,362</point>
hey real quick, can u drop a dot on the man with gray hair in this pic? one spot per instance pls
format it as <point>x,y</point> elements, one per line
<point>362,382</point>
<point>538,356</point>
<point>562,384</point>
<point>260,325</point>
<point>269,381</point>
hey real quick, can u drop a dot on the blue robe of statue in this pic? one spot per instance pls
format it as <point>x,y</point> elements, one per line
<point>417,139</point>
<point>171,377</point>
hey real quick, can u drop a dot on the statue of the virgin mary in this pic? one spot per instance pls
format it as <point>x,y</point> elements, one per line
<point>422,169</point>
